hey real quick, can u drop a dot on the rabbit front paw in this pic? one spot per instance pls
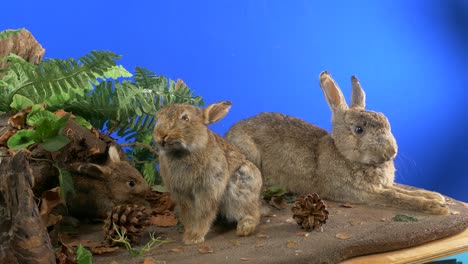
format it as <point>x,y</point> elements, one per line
<point>246,226</point>
<point>193,238</point>
<point>437,207</point>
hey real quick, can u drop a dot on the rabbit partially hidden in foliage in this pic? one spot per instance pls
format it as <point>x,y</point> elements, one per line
<point>354,163</point>
<point>98,188</point>
<point>204,174</point>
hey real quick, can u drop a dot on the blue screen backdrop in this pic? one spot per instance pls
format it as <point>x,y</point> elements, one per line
<point>410,56</point>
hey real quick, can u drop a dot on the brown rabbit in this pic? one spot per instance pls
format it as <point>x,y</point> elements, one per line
<point>204,174</point>
<point>354,163</point>
<point>100,187</point>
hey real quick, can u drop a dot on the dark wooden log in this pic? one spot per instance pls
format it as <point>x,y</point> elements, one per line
<point>23,237</point>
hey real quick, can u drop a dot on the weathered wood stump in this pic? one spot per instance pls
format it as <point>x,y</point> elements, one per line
<point>23,237</point>
<point>24,45</point>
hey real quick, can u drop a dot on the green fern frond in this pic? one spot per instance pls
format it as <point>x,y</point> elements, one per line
<point>56,82</point>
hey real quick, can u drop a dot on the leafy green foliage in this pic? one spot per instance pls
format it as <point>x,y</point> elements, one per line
<point>66,183</point>
<point>56,82</point>
<point>47,131</point>
<point>83,256</point>
<point>273,190</point>
<point>20,102</point>
<point>96,90</point>
<point>404,218</point>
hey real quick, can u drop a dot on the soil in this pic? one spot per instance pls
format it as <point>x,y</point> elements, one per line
<point>361,230</point>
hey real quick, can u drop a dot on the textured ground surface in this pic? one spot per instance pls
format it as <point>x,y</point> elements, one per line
<point>280,240</point>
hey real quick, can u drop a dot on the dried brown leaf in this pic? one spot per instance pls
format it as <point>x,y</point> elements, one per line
<point>343,236</point>
<point>177,249</point>
<point>164,220</point>
<point>205,250</point>
<point>246,259</point>
<point>9,133</point>
<point>346,205</point>
<point>160,202</point>
<point>355,222</point>
<point>62,113</point>
<point>302,234</point>
<point>149,260</point>
<point>50,199</point>
<point>291,244</point>
<point>86,243</point>
<point>278,202</point>
<point>65,255</point>
<point>235,242</point>
<point>260,244</point>
<point>99,250</point>
<point>262,236</point>
<point>18,120</point>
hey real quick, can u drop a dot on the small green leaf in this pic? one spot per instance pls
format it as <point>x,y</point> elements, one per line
<point>44,130</point>
<point>22,139</point>
<point>50,127</point>
<point>404,218</point>
<point>150,173</point>
<point>55,143</point>
<point>20,102</point>
<point>117,71</point>
<point>66,183</point>
<point>273,190</point>
<point>159,188</point>
<point>36,119</point>
<point>83,122</point>
<point>83,256</point>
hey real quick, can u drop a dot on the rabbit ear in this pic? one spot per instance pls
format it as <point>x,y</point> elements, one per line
<point>114,156</point>
<point>216,111</point>
<point>333,94</point>
<point>358,97</point>
<point>93,170</point>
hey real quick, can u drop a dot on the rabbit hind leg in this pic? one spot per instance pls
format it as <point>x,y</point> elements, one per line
<point>395,197</point>
<point>241,199</point>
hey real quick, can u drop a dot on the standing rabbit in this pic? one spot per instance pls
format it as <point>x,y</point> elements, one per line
<point>98,188</point>
<point>354,163</point>
<point>203,173</point>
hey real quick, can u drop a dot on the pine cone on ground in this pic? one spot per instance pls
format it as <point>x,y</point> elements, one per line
<point>310,211</point>
<point>129,218</point>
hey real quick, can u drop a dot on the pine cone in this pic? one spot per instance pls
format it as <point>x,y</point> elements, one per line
<point>129,218</point>
<point>310,211</point>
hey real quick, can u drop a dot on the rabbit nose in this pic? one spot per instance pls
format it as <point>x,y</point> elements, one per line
<point>163,140</point>
<point>390,153</point>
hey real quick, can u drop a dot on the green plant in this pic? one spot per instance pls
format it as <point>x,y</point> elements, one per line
<point>83,256</point>
<point>154,242</point>
<point>45,128</point>
<point>100,93</point>
<point>273,190</point>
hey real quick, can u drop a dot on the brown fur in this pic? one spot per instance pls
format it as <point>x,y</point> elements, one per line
<point>98,188</point>
<point>204,173</point>
<point>344,165</point>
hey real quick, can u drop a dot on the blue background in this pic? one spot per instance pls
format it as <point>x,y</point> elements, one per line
<point>410,56</point>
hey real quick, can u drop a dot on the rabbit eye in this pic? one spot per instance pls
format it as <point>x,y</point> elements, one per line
<point>185,117</point>
<point>358,130</point>
<point>131,183</point>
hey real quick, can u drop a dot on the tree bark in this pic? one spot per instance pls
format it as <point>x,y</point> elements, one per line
<point>23,237</point>
<point>24,45</point>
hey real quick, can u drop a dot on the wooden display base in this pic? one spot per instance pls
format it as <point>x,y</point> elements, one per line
<point>431,251</point>
<point>351,231</point>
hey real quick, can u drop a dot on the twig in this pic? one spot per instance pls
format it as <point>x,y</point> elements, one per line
<point>143,145</point>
